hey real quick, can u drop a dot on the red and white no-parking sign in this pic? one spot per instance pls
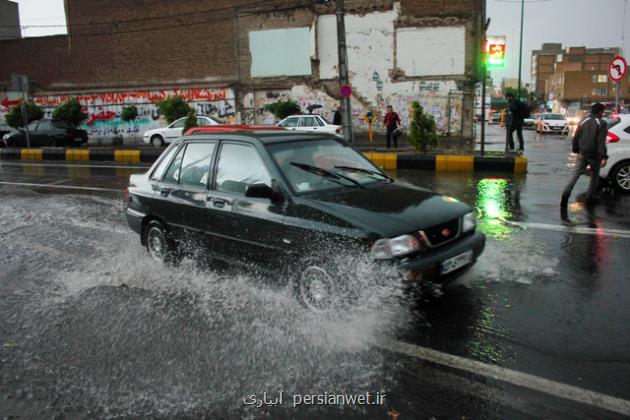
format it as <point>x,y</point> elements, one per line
<point>617,69</point>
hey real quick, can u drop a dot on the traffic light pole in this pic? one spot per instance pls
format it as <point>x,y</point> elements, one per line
<point>346,109</point>
<point>520,51</point>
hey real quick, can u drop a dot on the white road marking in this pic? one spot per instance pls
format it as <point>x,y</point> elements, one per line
<point>619,233</point>
<point>62,187</point>
<point>60,165</point>
<point>520,379</point>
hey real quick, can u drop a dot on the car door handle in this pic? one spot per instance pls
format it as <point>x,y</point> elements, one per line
<point>165,192</point>
<point>220,202</point>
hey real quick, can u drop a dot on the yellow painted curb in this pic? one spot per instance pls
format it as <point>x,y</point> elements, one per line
<point>454,163</point>
<point>77,154</point>
<point>383,160</point>
<point>520,165</point>
<point>127,156</point>
<point>31,154</point>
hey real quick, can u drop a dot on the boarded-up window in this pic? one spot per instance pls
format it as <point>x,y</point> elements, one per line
<point>280,52</point>
<point>431,51</point>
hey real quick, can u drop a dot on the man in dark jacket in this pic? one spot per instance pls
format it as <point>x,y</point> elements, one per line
<point>589,143</point>
<point>391,122</point>
<point>515,121</point>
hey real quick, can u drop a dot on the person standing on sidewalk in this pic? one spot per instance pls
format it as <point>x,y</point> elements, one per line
<point>515,120</point>
<point>589,143</point>
<point>391,122</point>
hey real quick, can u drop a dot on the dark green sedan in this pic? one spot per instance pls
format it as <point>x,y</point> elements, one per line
<point>287,202</point>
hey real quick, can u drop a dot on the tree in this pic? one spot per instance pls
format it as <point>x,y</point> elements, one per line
<point>283,109</point>
<point>14,116</point>
<point>191,121</point>
<point>129,113</point>
<point>174,108</point>
<point>70,112</point>
<point>422,131</point>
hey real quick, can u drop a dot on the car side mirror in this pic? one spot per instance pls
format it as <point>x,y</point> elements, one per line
<point>264,191</point>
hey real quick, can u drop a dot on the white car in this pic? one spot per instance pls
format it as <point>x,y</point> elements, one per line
<point>617,170</point>
<point>552,122</point>
<point>158,137</point>
<point>310,123</point>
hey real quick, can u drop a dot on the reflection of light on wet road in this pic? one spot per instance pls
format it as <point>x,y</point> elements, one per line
<point>492,207</point>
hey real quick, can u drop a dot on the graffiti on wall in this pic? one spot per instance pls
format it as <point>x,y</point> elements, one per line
<point>104,109</point>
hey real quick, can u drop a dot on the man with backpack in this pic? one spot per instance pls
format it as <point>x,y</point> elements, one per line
<point>589,142</point>
<point>518,112</point>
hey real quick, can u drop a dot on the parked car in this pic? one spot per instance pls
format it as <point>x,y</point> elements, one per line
<point>530,122</point>
<point>5,129</point>
<point>495,117</point>
<point>46,133</point>
<point>287,202</point>
<point>158,137</point>
<point>552,122</point>
<point>617,170</point>
<point>313,123</point>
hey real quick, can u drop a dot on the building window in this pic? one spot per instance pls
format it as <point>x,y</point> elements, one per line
<point>600,92</point>
<point>600,78</point>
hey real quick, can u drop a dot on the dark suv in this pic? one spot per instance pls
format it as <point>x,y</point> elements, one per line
<point>287,202</point>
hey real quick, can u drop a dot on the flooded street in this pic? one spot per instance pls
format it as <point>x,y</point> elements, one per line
<point>92,327</point>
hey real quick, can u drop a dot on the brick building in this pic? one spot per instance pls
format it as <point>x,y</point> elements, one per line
<point>575,77</point>
<point>231,58</point>
<point>543,61</point>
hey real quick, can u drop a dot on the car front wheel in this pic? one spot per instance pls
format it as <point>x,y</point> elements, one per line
<point>620,176</point>
<point>160,247</point>
<point>157,141</point>
<point>315,288</point>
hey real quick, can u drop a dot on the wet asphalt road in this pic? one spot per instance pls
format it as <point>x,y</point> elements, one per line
<point>91,328</point>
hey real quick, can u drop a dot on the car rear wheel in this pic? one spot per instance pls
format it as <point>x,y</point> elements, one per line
<point>620,176</point>
<point>159,246</point>
<point>315,288</point>
<point>157,141</point>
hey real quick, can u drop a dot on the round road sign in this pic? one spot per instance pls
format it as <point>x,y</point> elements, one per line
<point>617,69</point>
<point>345,91</point>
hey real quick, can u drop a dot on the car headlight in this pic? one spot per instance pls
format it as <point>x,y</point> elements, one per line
<point>386,248</point>
<point>469,221</point>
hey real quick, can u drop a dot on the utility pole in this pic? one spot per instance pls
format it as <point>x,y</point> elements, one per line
<point>346,109</point>
<point>484,78</point>
<point>623,37</point>
<point>520,51</point>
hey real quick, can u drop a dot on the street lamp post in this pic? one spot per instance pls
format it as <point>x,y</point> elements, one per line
<point>520,51</point>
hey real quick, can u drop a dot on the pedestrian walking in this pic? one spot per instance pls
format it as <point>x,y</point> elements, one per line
<point>589,142</point>
<point>337,116</point>
<point>518,111</point>
<point>391,122</point>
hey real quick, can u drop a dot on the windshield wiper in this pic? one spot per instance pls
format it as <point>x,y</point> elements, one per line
<point>325,173</point>
<point>364,171</point>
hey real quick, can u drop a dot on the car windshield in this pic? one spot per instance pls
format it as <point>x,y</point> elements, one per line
<point>554,116</point>
<point>339,165</point>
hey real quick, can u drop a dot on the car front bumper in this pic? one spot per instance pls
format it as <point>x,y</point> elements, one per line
<point>429,266</point>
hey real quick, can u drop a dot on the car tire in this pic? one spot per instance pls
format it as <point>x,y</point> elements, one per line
<point>157,141</point>
<point>314,286</point>
<point>619,176</point>
<point>160,247</point>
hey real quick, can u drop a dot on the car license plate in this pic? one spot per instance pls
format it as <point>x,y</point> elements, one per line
<point>456,262</point>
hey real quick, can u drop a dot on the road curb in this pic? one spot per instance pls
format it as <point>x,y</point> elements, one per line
<point>389,161</point>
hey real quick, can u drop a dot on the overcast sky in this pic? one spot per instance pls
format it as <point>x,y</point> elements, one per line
<point>572,22</point>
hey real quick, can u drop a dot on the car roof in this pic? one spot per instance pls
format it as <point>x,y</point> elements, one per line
<point>230,127</point>
<point>263,136</point>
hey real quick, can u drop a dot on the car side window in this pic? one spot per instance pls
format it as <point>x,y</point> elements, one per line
<point>202,122</point>
<point>196,164</point>
<point>240,166</point>
<point>172,174</point>
<point>307,122</point>
<point>32,126</point>
<point>291,122</point>
<point>159,170</point>
<point>44,126</point>
<point>179,124</point>
<point>320,121</point>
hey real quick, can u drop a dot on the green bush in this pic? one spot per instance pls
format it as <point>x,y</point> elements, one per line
<point>70,112</point>
<point>191,121</point>
<point>14,116</point>
<point>129,113</point>
<point>422,131</point>
<point>174,108</point>
<point>283,109</point>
